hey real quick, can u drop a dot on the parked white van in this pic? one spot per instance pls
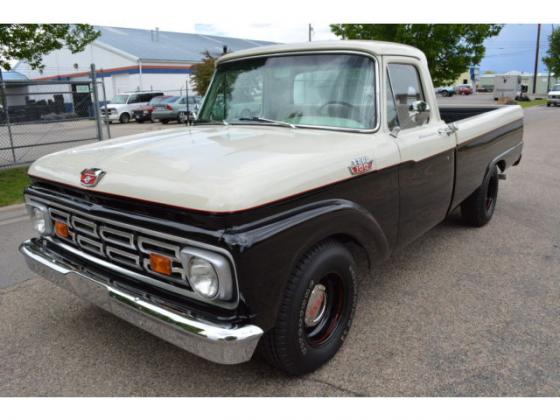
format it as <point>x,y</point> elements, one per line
<point>121,107</point>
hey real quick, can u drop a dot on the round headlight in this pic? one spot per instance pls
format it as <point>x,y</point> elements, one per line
<point>203,277</point>
<point>39,218</point>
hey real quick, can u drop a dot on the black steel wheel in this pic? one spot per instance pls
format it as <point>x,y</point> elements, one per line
<point>478,208</point>
<point>316,311</point>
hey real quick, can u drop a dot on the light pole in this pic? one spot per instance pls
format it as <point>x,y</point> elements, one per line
<point>537,58</point>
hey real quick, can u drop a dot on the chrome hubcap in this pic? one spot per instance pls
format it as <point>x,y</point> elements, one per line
<point>316,306</point>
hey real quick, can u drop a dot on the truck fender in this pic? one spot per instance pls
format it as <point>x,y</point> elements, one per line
<point>316,221</point>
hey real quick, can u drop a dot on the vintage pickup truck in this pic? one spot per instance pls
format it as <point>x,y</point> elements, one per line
<point>241,233</point>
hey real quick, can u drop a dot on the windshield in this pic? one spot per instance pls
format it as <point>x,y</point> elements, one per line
<point>119,99</point>
<point>330,90</point>
<point>555,88</point>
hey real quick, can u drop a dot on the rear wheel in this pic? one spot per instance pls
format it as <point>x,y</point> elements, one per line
<point>444,93</point>
<point>316,311</point>
<point>478,208</point>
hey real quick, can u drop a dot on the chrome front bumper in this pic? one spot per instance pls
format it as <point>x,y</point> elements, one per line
<point>217,343</point>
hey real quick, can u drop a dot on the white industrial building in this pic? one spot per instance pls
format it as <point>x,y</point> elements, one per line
<point>135,59</point>
<point>544,81</point>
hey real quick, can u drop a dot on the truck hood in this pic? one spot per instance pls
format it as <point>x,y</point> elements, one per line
<point>212,168</point>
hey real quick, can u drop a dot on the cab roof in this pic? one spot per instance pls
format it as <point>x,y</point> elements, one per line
<point>370,47</point>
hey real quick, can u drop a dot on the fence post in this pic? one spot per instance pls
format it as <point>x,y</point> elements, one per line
<point>105,102</point>
<point>96,112</point>
<point>5,106</point>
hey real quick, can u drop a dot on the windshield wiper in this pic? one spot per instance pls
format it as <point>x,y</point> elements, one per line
<point>266,120</point>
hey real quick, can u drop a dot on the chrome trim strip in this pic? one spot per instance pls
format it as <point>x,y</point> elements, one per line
<point>224,344</point>
<point>315,52</point>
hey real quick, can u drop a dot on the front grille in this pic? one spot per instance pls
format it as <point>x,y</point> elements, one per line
<point>124,247</point>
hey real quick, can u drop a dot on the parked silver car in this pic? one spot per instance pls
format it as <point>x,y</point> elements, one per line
<point>175,109</point>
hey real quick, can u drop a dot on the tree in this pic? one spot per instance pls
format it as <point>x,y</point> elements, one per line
<point>449,48</point>
<point>552,59</point>
<point>30,42</point>
<point>202,72</point>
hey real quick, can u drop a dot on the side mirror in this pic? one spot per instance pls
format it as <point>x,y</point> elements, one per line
<point>419,107</point>
<point>419,112</point>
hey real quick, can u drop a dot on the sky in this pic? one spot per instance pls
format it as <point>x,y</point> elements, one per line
<point>512,49</point>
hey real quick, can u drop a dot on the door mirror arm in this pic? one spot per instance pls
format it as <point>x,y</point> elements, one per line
<point>395,131</point>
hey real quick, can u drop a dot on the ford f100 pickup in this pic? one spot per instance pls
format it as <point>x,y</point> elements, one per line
<point>240,233</point>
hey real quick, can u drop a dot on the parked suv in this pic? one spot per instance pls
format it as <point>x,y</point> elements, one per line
<point>122,106</point>
<point>554,96</point>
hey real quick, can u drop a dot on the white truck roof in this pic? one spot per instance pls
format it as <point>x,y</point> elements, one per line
<point>371,47</point>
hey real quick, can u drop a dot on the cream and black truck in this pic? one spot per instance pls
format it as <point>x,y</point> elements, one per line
<point>238,234</point>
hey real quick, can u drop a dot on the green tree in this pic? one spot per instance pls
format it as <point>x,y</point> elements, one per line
<point>31,42</point>
<point>203,71</point>
<point>449,48</point>
<point>552,59</point>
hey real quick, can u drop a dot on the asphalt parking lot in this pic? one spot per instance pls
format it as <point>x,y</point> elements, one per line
<point>460,312</point>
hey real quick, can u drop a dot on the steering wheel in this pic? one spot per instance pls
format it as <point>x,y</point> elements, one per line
<point>345,104</point>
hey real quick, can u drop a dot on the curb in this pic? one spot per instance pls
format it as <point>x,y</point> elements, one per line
<point>12,208</point>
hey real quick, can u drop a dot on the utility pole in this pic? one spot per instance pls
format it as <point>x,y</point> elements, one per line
<point>549,76</point>
<point>537,58</point>
<point>310,32</point>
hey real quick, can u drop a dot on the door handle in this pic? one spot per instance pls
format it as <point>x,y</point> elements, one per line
<point>447,130</point>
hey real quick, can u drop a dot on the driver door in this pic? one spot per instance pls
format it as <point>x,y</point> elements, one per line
<point>426,170</point>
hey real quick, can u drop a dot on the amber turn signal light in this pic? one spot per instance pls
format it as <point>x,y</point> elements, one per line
<point>61,229</point>
<point>160,264</point>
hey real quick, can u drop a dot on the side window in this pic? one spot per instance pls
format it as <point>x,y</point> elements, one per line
<point>407,89</point>
<point>133,99</point>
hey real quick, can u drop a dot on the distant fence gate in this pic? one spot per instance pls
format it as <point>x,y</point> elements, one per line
<point>41,117</point>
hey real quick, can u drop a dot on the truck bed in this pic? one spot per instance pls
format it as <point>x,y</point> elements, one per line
<point>452,113</point>
<point>485,135</point>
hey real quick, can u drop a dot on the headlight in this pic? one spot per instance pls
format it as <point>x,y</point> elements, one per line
<point>39,215</point>
<point>203,277</point>
<point>209,273</point>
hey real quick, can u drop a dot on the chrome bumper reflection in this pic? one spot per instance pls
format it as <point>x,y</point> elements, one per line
<point>217,343</point>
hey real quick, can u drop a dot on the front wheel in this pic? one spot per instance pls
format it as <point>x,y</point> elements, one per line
<point>478,208</point>
<point>181,117</point>
<point>316,310</point>
<point>125,118</point>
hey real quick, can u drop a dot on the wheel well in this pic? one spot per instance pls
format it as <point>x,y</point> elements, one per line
<point>357,249</point>
<point>501,165</point>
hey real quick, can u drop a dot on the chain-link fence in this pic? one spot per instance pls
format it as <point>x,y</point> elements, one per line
<point>41,117</point>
